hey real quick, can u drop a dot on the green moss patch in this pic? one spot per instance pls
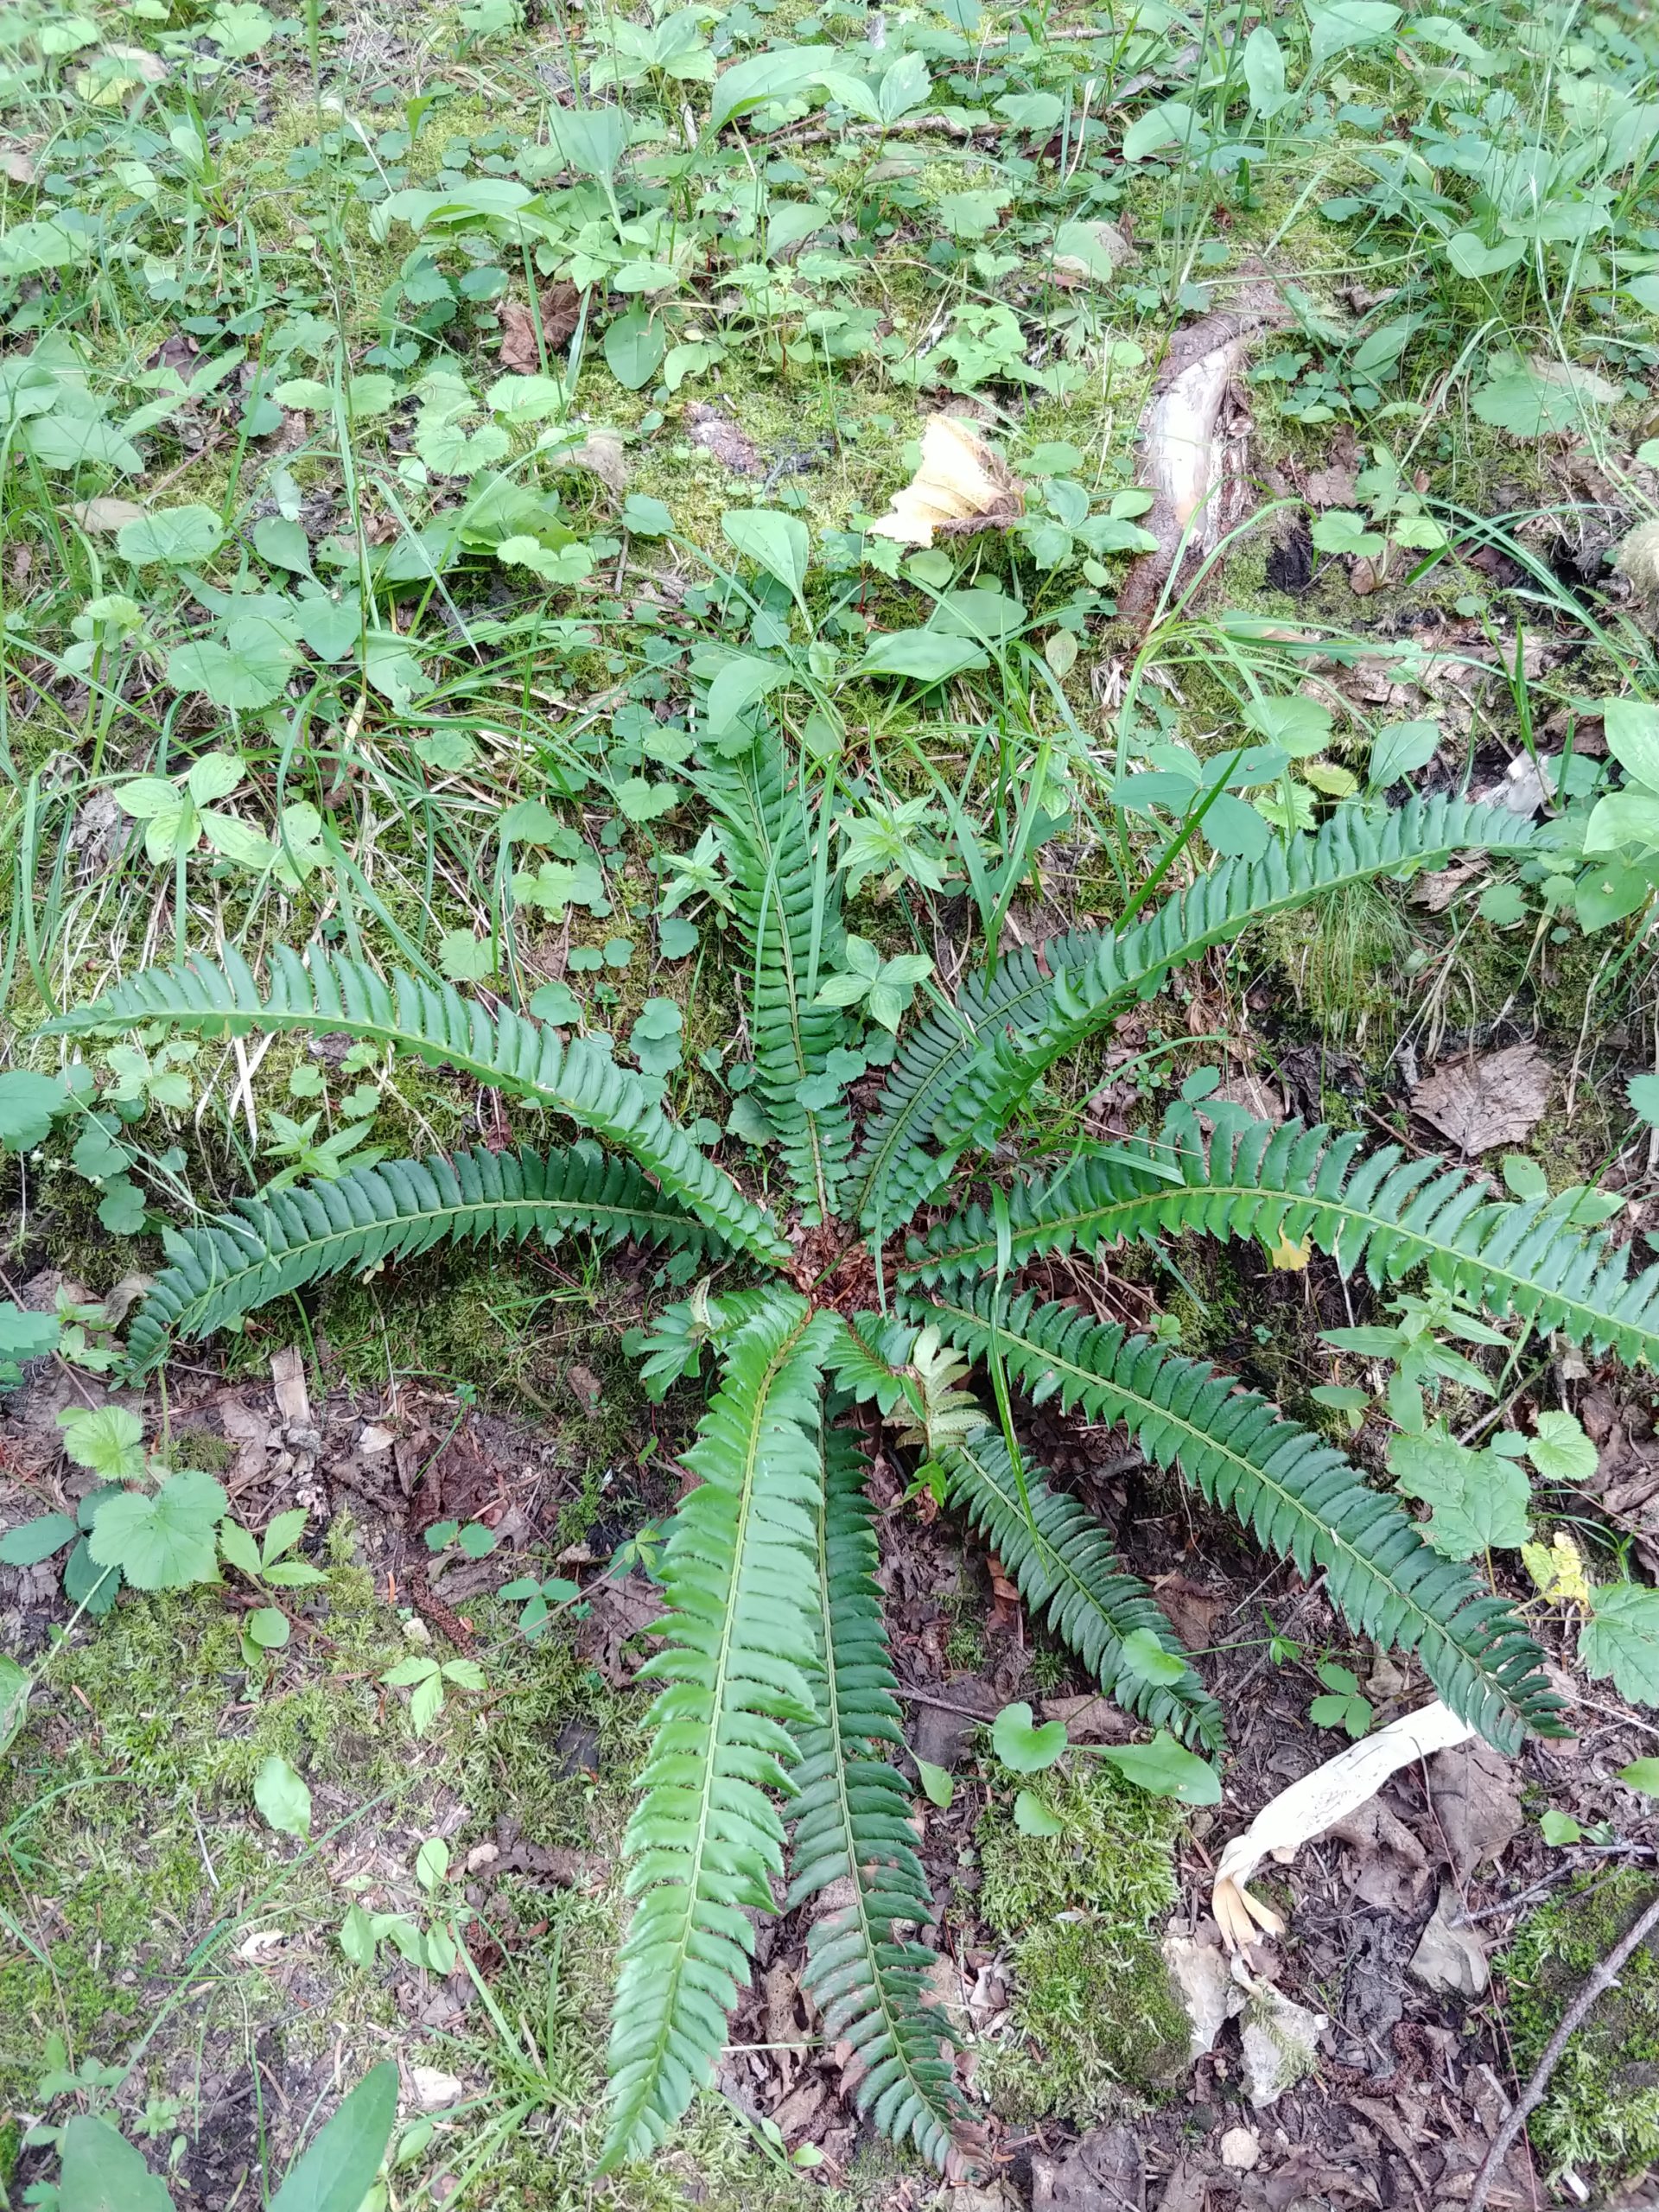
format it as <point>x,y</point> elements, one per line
<point>1600,2113</point>
<point>1094,2013</point>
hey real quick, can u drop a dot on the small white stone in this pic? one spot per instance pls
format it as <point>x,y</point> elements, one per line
<point>415,1630</point>
<point>1241,2149</point>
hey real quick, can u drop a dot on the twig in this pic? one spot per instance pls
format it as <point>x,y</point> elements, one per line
<point>944,1705</point>
<point>1601,1980</point>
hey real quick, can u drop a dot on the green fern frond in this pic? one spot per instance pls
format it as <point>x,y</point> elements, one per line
<point>739,1570</point>
<point>788,907</point>
<point>281,1241</point>
<point>1064,1563</point>
<point>1252,1179</point>
<point>959,1075</point>
<point>1301,1497</point>
<point>508,1051</point>
<point>852,1823</point>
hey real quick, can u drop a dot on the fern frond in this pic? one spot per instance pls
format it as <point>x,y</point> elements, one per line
<point>577,1078</point>
<point>1064,1563</point>
<point>740,1569</point>
<point>788,909</point>
<point>1301,1497</point>
<point>959,1075</point>
<point>281,1241</point>
<point>852,1824</point>
<point>1252,1179</point>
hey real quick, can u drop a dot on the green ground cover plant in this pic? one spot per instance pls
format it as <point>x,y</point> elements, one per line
<point>481,770</point>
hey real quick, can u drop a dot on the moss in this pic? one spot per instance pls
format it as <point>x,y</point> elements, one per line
<point>1600,2113</point>
<point>1094,2012</point>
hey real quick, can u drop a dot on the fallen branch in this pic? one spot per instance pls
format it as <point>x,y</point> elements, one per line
<point>1600,1981</point>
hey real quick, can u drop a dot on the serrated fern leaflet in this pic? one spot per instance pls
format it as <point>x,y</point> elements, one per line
<point>1299,1495</point>
<point>1257,1179</point>
<point>853,1825</point>
<point>503,1049</point>
<point>279,1243</point>
<point>960,1074</point>
<point>740,1570</point>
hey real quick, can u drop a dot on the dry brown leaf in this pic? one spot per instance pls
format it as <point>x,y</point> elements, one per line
<point>561,312</point>
<point>520,352</point>
<point>1499,1099</point>
<point>106,513</point>
<point>961,485</point>
<point>1435,892</point>
<point>1473,1792</point>
<point>1330,487</point>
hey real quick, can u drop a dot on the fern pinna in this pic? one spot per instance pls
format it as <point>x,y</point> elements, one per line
<point>776,1776</point>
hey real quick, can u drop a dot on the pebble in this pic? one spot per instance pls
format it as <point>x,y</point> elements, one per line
<point>1241,2149</point>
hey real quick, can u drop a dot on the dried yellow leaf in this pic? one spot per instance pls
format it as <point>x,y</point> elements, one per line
<point>961,485</point>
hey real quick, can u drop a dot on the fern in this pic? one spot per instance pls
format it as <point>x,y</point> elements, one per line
<point>1300,1496</point>
<point>961,1075</point>
<point>852,1824</point>
<point>1253,1179</point>
<point>740,1569</point>
<point>1062,1561</point>
<point>788,905</point>
<point>577,1079</point>
<point>280,1242</point>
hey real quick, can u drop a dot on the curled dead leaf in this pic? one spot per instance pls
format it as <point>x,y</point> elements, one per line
<point>961,485</point>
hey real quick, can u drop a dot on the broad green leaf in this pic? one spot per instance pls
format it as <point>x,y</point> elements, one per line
<point>1621,1639</point>
<point>1479,1500</point>
<point>1264,72</point>
<point>1529,405</point>
<point>774,541</point>
<point>1471,256</point>
<point>1144,1656</point>
<point>267,1626</point>
<point>645,517</point>
<point>336,2170</point>
<point>282,1796</point>
<point>282,544</point>
<point>1170,123</point>
<point>175,538</point>
<point>590,140</point>
<point>1561,1451</point>
<point>938,1785</point>
<point>1166,1769</point>
<point>1631,726</point>
<point>924,656</point>
<point>243,676</point>
<point>738,683</point>
<point>107,1439</point>
<point>525,398</point>
<point>31,1542</point>
<point>1023,1746</point>
<point>66,441</point>
<point>1559,1829</point>
<point>1399,750</point>
<point>465,958</point>
<point>778,75</point>
<point>1299,726</point>
<point>1234,829</point>
<point>28,1105</point>
<point>1346,24</point>
<point>166,1541</point>
<point>1623,818</point>
<point>15,1684</point>
<point>1642,1775</point>
<point>1032,1817</point>
<point>1643,1093</point>
<point>634,347</point>
<point>215,775</point>
<point>102,2172</point>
